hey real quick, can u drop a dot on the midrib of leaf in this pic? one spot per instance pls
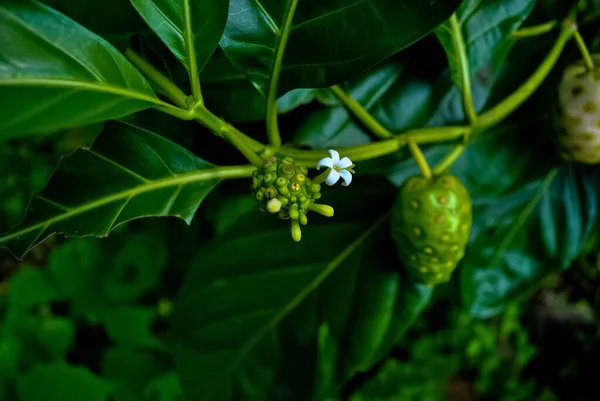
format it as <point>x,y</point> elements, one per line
<point>267,17</point>
<point>189,44</point>
<point>271,101</point>
<point>329,14</point>
<point>180,180</point>
<point>330,268</point>
<point>93,87</point>
<point>524,216</point>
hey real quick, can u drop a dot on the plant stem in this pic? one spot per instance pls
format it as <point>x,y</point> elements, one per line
<point>176,112</point>
<point>225,130</point>
<point>189,39</point>
<point>361,113</point>
<point>321,177</point>
<point>449,160</point>
<point>585,53</point>
<point>165,84</point>
<point>503,109</point>
<point>419,158</point>
<point>271,117</point>
<point>463,69</point>
<point>381,148</point>
<point>244,149</point>
<point>231,172</point>
<point>534,30</point>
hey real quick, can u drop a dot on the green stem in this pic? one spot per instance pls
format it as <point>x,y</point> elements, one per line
<point>499,112</point>
<point>165,84</point>
<point>271,117</point>
<point>321,177</point>
<point>419,158</point>
<point>225,130</point>
<point>585,53</point>
<point>361,113</point>
<point>244,149</point>
<point>463,69</point>
<point>449,160</point>
<point>534,30</point>
<point>176,112</point>
<point>376,149</point>
<point>189,39</point>
<point>231,172</point>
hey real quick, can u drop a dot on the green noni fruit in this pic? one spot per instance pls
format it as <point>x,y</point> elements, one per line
<point>283,188</point>
<point>431,223</point>
<point>579,119</point>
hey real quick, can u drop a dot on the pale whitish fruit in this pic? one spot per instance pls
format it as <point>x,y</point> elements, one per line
<point>579,121</point>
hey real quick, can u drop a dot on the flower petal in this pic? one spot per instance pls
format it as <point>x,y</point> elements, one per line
<point>347,177</point>
<point>335,156</point>
<point>326,161</point>
<point>344,163</point>
<point>332,178</point>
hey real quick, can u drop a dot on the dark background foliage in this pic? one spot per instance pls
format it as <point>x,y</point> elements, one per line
<point>228,307</point>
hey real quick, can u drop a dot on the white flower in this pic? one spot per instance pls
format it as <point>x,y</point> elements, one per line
<point>339,168</point>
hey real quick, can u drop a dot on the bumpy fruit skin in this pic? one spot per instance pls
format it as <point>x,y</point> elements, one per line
<point>431,223</point>
<point>284,180</point>
<point>579,119</point>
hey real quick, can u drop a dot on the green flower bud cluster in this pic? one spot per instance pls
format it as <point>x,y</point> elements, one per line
<point>283,188</point>
<point>431,223</point>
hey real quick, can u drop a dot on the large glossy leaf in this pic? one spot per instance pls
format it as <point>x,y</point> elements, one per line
<point>229,308</point>
<point>486,28</point>
<point>114,20</point>
<point>55,74</point>
<point>541,230</point>
<point>287,318</point>
<point>128,173</point>
<point>190,28</point>
<point>229,93</point>
<point>329,42</point>
<point>528,223</point>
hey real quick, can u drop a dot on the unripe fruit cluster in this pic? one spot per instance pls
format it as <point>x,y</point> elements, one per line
<point>282,187</point>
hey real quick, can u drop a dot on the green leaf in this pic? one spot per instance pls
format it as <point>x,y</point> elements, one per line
<point>129,173</point>
<point>327,354</point>
<point>131,326</point>
<point>385,306</point>
<point>56,336</point>
<point>29,287</point>
<point>327,43</point>
<point>543,233</point>
<point>59,381</point>
<point>228,310</point>
<point>114,20</point>
<point>190,28</point>
<point>230,94</point>
<point>74,264</point>
<point>11,352</point>
<point>55,74</point>
<point>132,370</point>
<point>334,127</point>
<point>24,171</point>
<point>136,268</point>
<point>165,388</point>
<point>486,28</point>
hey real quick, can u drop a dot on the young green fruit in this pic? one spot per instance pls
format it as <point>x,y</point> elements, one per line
<point>431,223</point>
<point>579,119</point>
<point>283,188</point>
